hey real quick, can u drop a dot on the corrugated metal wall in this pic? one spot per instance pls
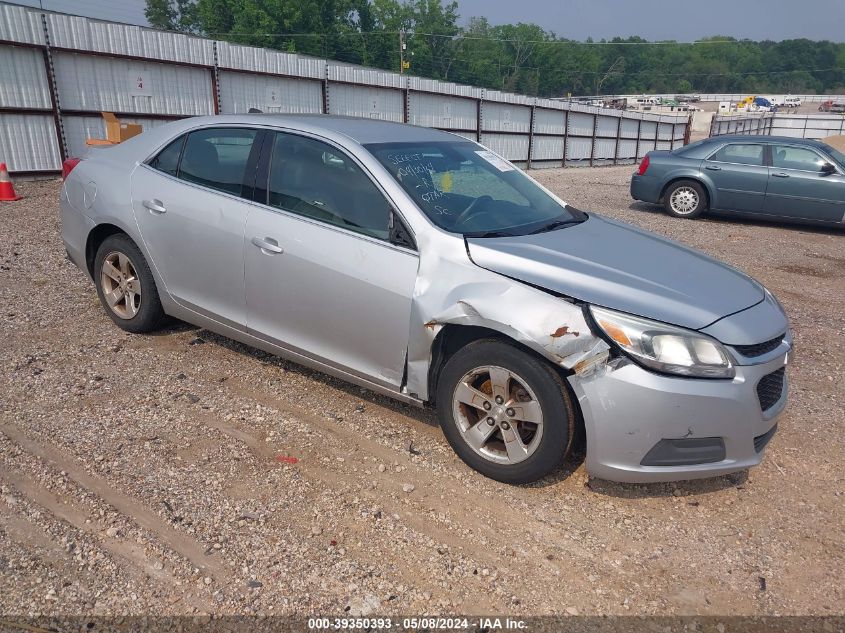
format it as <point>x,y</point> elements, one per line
<point>815,126</point>
<point>241,91</point>
<point>150,77</point>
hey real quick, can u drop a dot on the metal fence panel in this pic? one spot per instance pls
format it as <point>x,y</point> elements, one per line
<point>241,91</point>
<point>605,149</point>
<point>514,147</point>
<point>580,123</point>
<point>444,87</point>
<point>23,78</point>
<point>630,128</point>
<point>366,101</point>
<point>87,82</point>
<point>78,33</point>
<point>627,150</point>
<point>648,130</point>
<point>645,147</point>
<point>607,126</point>
<point>364,76</point>
<point>549,121</point>
<point>547,148</point>
<point>442,111</point>
<point>28,142</point>
<point>18,24</point>
<point>664,131</point>
<point>264,60</point>
<point>505,117</point>
<point>578,149</point>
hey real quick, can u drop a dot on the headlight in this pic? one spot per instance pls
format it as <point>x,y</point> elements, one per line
<point>665,348</point>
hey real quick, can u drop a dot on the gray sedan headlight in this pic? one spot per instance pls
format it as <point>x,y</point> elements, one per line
<point>663,347</point>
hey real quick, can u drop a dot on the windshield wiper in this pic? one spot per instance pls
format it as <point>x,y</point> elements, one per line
<point>551,226</point>
<point>489,234</point>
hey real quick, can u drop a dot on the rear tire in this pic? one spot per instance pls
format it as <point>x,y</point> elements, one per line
<point>506,413</point>
<point>126,287</point>
<point>685,199</point>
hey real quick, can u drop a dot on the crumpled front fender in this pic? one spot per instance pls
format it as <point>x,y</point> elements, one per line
<point>552,326</point>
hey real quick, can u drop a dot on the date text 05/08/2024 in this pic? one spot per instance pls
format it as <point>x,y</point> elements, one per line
<point>416,623</point>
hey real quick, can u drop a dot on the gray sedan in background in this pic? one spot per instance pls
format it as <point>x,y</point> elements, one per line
<point>763,177</point>
<point>424,266</point>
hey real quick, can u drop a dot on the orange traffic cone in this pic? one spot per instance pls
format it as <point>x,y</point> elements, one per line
<point>7,189</point>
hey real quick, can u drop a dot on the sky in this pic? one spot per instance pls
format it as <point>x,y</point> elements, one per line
<point>682,20</point>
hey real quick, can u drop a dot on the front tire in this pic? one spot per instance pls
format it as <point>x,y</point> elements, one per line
<point>685,199</point>
<point>506,413</point>
<point>126,287</point>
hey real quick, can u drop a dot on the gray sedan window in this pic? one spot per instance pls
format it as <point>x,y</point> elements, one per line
<point>316,180</point>
<point>741,153</point>
<point>216,158</point>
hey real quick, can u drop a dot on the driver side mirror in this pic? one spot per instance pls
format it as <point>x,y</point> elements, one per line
<point>828,168</point>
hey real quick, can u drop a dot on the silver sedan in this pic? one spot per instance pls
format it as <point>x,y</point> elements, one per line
<point>424,266</point>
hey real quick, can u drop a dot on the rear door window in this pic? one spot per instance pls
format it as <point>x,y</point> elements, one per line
<point>741,153</point>
<point>217,158</point>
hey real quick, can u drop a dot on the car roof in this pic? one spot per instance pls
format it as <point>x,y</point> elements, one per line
<point>765,139</point>
<point>360,130</point>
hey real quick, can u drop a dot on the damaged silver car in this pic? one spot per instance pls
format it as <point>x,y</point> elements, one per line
<point>423,266</point>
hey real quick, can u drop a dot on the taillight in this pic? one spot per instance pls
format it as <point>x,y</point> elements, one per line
<point>643,166</point>
<point>68,166</point>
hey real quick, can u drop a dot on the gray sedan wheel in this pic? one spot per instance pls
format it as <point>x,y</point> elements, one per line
<point>126,286</point>
<point>685,199</point>
<point>505,412</point>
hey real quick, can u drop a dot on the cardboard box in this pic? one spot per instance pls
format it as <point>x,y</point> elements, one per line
<point>116,132</point>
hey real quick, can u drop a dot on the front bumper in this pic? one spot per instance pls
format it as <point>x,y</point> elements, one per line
<point>628,410</point>
<point>645,188</point>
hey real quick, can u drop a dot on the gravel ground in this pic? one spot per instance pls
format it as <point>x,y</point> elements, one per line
<point>184,473</point>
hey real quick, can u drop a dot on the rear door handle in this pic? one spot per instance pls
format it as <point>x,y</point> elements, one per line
<point>267,244</point>
<point>154,205</point>
<point>780,175</point>
<point>713,167</point>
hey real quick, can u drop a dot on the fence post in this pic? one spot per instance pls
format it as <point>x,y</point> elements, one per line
<point>215,80</point>
<point>593,146</point>
<point>639,133</point>
<point>406,93</point>
<point>619,140</point>
<point>531,135</point>
<point>566,114</point>
<point>713,123</point>
<point>54,91</point>
<point>479,116</point>
<point>326,88</point>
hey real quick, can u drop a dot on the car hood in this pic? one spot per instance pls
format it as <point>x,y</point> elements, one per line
<point>618,266</point>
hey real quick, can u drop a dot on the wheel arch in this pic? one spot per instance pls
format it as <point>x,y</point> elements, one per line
<point>96,237</point>
<point>453,337</point>
<point>708,189</point>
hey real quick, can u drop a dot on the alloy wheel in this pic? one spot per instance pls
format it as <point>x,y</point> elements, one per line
<point>684,200</point>
<point>497,414</point>
<point>121,285</point>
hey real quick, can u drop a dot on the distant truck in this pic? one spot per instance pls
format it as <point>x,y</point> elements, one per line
<point>784,101</point>
<point>832,106</point>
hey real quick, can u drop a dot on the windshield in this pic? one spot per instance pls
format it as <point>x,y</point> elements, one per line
<point>466,189</point>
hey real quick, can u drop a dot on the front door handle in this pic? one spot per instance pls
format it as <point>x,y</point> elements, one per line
<point>780,175</point>
<point>713,167</point>
<point>155,206</point>
<point>268,245</point>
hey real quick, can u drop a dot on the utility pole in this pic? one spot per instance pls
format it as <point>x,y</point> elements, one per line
<point>401,52</point>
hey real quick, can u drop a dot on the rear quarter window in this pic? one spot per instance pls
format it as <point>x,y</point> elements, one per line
<point>167,160</point>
